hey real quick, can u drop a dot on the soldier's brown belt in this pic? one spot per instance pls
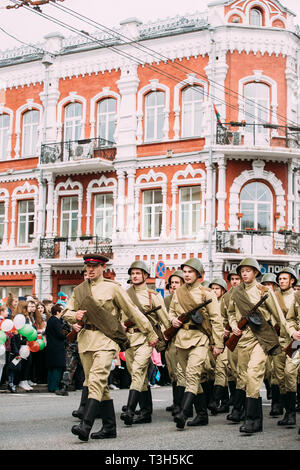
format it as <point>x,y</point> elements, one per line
<point>190,327</point>
<point>90,327</point>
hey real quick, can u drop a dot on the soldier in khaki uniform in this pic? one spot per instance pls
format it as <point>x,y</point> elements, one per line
<point>96,349</point>
<point>257,339</point>
<point>175,372</point>
<point>139,354</point>
<point>193,341</point>
<point>284,370</point>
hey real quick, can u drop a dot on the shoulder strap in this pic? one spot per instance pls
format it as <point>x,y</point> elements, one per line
<point>281,302</point>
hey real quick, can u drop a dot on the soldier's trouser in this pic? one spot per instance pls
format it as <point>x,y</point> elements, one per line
<point>192,362</point>
<point>180,376</point>
<point>221,369</point>
<point>96,366</point>
<point>284,373</point>
<point>252,366</point>
<point>171,360</point>
<point>137,362</point>
<point>269,367</point>
<point>291,375</point>
<point>232,364</point>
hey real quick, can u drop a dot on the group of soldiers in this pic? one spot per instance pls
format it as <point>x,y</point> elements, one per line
<point>220,344</point>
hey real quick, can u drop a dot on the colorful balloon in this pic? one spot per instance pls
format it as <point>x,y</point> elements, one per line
<point>33,346</point>
<point>7,325</point>
<point>27,330</point>
<point>41,344</point>
<point>3,337</point>
<point>32,336</point>
<point>19,321</point>
<point>24,351</point>
<point>2,349</point>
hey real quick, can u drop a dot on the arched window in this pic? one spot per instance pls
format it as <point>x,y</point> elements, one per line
<point>73,119</point>
<point>30,133</point>
<point>257,106</point>
<point>256,207</point>
<point>154,110</point>
<point>106,114</point>
<point>255,17</point>
<point>192,99</point>
<point>4,135</point>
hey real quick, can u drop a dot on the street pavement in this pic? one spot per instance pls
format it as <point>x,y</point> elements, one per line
<point>42,421</point>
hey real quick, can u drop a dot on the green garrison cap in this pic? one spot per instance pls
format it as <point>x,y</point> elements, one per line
<point>248,262</point>
<point>269,277</point>
<point>289,271</point>
<point>194,263</point>
<point>220,282</point>
<point>139,265</point>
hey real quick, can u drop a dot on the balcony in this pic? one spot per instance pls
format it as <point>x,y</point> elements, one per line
<point>74,247</point>
<point>262,135</point>
<point>88,153</point>
<point>256,242</point>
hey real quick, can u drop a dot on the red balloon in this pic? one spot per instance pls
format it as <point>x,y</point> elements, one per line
<point>33,346</point>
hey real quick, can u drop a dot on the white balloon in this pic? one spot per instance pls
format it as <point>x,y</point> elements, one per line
<point>24,351</point>
<point>19,321</point>
<point>2,349</point>
<point>7,325</point>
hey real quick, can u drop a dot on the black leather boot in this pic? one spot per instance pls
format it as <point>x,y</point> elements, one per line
<point>212,404</point>
<point>179,391</point>
<point>201,418</point>
<point>171,407</point>
<point>232,387</point>
<point>268,389</point>
<point>84,397</point>
<point>145,401</point>
<point>253,416</point>
<point>83,429</point>
<point>187,401</point>
<point>276,404</point>
<point>289,418</point>
<point>238,407</point>
<point>224,405</point>
<point>133,399</point>
<point>109,428</point>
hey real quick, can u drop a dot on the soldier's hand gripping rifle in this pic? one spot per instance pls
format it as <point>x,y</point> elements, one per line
<point>194,315</point>
<point>130,324</point>
<point>72,336</point>
<point>252,317</point>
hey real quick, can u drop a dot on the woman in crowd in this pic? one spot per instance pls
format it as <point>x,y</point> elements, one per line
<point>39,366</point>
<point>55,350</point>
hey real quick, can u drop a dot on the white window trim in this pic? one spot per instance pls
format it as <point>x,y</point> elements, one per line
<point>26,191</point>
<point>97,186</point>
<point>71,98</point>
<point>244,13</point>
<point>29,106</point>
<point>4,110</point>
<point>69,212</point>
<point>143,235</point>
<point>25,243</point>
<point>68,188</point>
<point>154,85</point>
<point>151,180</point>
<point>4,197</point>
<point>187,177</point>
<point>255,203</point>
<point>105,93</point>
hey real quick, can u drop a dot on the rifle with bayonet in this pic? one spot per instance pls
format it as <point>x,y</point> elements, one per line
<point>252,317</point>
<point>195,315</point>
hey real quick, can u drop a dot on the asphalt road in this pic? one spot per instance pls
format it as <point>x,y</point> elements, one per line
<point>43,421</point>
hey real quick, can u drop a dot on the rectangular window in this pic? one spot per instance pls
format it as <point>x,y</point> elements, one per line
<point>26,221</point>
<point>30,133</point>
<point>2,218</point>
<point>152,213</point>
<point>4,134</point>
<point>104,215</point>
<point>189,211</point>
<point>154,120</point>
<point>69,216</point>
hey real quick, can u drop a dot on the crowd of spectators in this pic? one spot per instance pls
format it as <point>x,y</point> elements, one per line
<point>58,364</point>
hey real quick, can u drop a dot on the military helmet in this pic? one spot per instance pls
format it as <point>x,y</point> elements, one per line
<point>220,282</point>
<point>177,273</point>
<point>139,265</point>
<point>248,262</point>
<point>205,283</point>
<point>233,272</point>
<point>194,263</point>
<point>288,270</point>
<point>269,277</point>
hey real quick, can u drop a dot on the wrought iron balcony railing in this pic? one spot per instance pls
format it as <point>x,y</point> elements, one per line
<point>258,242</point>
<point>72,247</point>
<point>77,150</point>
<point>252,134</point>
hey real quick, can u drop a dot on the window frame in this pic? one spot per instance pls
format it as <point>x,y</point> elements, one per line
<point>4,153</point>
<point>193,111</point>
<point>156,128</point>
<point>255,210</point>
<point>27,214</point>
<point>107,120</point>
<point>34,132</point>
<point>190,205</point>
<point>73,120</point>
<point>69,220</point>
<point>104,233</point>
<point>153,215</point>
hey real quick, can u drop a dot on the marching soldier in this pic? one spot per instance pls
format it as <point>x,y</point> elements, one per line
<point>257,340</point>
<point>94,310</point>
<point>139,354</point>
<point>193,340</point>
<point>284,370</point>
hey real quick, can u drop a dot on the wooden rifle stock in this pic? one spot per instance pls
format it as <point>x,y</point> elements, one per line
<point>233,340</point>
<point>72,336</point>
<point>130,324</point>
<point>184,318</point>
<point>289,350</point>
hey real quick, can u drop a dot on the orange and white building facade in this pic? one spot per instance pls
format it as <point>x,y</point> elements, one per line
<point>113,145</point>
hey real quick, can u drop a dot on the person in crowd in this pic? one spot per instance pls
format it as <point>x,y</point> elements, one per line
<point>39,366</point>
<point>55,349</point>
<point>11,303</point>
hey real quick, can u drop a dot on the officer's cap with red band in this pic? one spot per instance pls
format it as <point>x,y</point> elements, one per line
<point>95,258</point>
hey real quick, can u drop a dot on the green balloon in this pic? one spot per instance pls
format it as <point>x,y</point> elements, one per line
<point>26,330</point>
<point>41,343</point>
<point>32,336</point>
<point>3,337</point>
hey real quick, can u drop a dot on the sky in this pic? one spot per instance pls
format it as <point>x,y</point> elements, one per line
<point>31,28</point>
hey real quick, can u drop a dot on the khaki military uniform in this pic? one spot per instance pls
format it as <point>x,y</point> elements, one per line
<point>96,350</point>
<point>232,356</point>
<point>284,371</point>
<point>293,325</point>
<point>251,357</point>
<point>221,362</point>
<point>192,344</point>
<point>174,369</point>
<point>139,354</point>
